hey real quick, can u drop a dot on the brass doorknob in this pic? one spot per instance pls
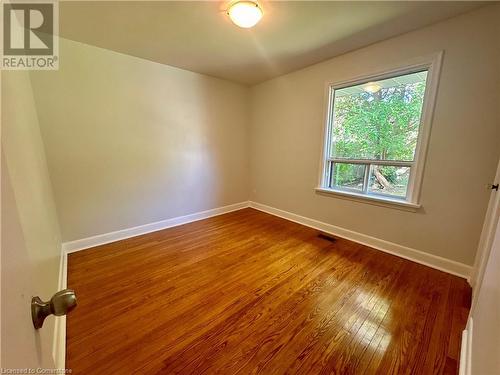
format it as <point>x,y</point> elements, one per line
<point>61,303</point>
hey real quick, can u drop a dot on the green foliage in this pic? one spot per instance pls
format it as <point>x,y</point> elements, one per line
<point>390,173</point>
<point>376,126</point>
<point>349,174</point>
<point>382,125</point>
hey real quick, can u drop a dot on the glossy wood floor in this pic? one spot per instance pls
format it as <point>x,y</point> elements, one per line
<point>248,292</point>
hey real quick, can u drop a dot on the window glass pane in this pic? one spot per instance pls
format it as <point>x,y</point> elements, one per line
<point>378,120</point>
<point>348,176</point>
<point>389,180</point>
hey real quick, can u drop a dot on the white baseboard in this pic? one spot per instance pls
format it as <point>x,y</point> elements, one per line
<point>59,344</point>
<point>101,239</point>
<point>466,350</point>
<point>442,264</point>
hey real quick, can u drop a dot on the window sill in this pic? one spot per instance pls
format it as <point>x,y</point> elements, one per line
<point>370,199</point>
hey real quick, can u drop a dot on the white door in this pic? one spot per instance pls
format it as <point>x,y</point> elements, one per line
<point>481,344</point>
<point>31,245</point>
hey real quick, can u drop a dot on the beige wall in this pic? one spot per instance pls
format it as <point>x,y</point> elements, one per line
<point>31,243</point>
<point>286,137</point>
<point>131,142</point>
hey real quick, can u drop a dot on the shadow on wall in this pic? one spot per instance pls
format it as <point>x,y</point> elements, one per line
<point>131,142</point>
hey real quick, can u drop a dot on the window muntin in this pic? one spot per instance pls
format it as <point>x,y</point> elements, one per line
<point>373,134</point>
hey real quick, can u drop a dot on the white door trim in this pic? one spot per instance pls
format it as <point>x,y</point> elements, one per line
<point>486,239</point>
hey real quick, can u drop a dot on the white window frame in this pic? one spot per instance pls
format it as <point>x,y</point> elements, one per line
<point>432,64</point>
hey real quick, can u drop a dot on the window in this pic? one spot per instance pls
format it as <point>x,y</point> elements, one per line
<point>375,136</point>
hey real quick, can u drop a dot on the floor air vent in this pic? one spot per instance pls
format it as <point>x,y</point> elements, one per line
<point>328,237</point>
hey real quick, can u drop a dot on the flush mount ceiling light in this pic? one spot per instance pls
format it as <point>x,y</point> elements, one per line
<point>245,14</point>
<point>372,87</point>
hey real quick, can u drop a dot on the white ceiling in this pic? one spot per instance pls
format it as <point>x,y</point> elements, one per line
<point>198,36</point>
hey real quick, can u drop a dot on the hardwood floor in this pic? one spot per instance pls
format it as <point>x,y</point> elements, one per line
<point>247,292</point>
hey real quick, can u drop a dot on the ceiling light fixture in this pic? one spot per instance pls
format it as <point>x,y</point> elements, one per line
<point>245,14</point>
<point>372,87</point>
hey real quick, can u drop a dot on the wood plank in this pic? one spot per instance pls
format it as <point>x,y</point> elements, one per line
<point>248,292</point>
